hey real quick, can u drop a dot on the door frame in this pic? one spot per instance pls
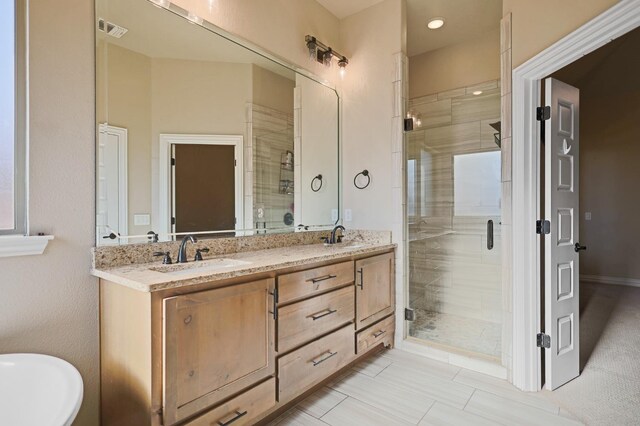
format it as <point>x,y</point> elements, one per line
<point>165,187</point>
<point>526,276</point>
<point>123,183</point>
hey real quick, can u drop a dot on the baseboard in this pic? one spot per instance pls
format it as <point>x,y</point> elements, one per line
<point>632,282</point>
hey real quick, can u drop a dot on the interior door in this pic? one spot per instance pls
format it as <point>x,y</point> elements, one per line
<point>562,264</point>
<point>111,197</point>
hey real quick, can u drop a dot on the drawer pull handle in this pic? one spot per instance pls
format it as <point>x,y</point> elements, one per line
<point>323,314</point>
<point>324,278</point>
<point>237,416</point>
<point>379,333</point>
<point>321,360</point>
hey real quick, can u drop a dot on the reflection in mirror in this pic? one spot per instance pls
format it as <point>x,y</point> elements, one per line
<point>196,133</point>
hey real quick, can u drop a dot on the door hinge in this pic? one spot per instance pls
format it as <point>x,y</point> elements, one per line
<point>173,161</point>
<point>543,340</point>
<point>543,227</point>
<point>173,220</point>
<point>409,314</point>
<point>543,113</point>
<point>235,163</point>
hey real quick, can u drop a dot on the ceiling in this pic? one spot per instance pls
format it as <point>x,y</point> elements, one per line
<point>464,20</point>
<point>158,33</point>
<point>343,8</point>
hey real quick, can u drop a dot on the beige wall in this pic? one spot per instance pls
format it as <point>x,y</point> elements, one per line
<point>609,153</point>
<point>272,90</point>
<point>539,24</point>
<point>129,107</point>
<point>370,38</point>
<point>49,303</point>
<point>276,25</point>
<point>458,65</point>
<point>207,98</point>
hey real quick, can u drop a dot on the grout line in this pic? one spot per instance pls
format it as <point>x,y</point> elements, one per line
<point>387,366</point>
<point>332,408</point>
<point>470,396</point>
<point>429,409</point>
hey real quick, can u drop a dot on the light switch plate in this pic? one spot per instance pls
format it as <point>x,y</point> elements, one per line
<point>141,219</point>
<point>334,215</point>
<point>587,216</point>
<point>348,215</point>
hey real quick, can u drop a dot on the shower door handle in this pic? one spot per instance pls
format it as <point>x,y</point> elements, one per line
<point>489,234</point>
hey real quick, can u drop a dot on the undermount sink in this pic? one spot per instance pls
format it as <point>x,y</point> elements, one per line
<point>200,267</point>
<point>38,390</point>
<point>347,246</point>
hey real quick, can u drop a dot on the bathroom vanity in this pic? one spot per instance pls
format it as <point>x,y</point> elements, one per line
<point>238,336</point>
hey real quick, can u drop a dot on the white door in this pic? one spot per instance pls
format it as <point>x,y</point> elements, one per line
<point>111,197</point>
<point>562,264</point>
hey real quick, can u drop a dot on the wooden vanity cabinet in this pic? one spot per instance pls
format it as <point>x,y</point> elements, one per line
<point>237,351</point>
<point>216,343</point>
<point>375,292</point>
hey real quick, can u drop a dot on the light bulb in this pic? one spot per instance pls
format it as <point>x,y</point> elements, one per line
<point>326,58</point>
<point>342,63</point>
<point>418,122</point>
<point>435,23</point>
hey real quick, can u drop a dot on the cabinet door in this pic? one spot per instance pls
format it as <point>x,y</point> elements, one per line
<point>216,343</point>
<point>374,289</point>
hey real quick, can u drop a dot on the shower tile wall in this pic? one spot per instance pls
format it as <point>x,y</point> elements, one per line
<point>272,133</point>
<point>454,281</point>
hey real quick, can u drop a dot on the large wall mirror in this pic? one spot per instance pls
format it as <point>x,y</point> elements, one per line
<point>199,134</point>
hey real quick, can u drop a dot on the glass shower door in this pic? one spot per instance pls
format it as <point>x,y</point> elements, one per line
<point>454,210</point>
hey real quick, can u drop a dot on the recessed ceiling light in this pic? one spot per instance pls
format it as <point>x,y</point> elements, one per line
<point>477,92</point>
<point>435,23</point>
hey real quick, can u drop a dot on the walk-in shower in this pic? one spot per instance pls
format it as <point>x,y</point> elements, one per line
<point>453,167</point>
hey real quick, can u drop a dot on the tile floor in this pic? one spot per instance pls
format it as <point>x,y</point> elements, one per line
<point>457,331</point>
<point>398,388</point>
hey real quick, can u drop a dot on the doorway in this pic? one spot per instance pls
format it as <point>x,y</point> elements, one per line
<point>528,165</point>
<point>111,185</point>
<point>201,184</point>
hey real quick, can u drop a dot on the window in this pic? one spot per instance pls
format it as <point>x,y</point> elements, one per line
<point>12,118</point>
<point>477,184</point>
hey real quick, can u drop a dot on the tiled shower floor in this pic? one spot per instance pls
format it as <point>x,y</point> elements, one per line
<point>459,332</point>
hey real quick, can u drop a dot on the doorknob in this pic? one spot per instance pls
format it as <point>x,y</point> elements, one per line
<point>578,247</point>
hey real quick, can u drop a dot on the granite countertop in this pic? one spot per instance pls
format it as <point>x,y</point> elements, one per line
<point>149,277</point>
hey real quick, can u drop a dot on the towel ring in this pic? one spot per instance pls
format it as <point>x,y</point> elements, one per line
<point>313,181</point>
<point>364,173</point>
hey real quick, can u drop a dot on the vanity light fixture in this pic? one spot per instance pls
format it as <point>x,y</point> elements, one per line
<point>319,52</point>
<point>342,63</point>
<point>435,23</point>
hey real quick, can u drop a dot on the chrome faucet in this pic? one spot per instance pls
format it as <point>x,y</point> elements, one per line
<point>182,252</point>
<point>333,235</point>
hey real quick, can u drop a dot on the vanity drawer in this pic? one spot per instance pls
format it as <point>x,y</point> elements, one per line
<point>380,332</point>
<point>302,321</point>
<point>242,409</point>
<point>298,285</point>
<point>314,362</point>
